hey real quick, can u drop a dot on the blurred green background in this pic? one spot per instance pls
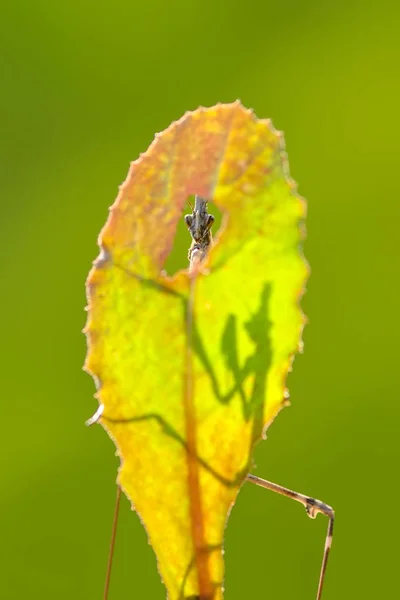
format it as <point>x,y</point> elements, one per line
<point>84,86</point>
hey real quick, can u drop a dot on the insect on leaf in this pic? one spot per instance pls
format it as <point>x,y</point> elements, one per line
<point>191,369</point>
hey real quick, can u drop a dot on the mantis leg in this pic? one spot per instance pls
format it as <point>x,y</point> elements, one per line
<point>112,543</point>
<point>313,507</point>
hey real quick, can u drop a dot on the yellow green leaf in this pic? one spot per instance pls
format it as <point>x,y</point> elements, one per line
<point>191,369</point>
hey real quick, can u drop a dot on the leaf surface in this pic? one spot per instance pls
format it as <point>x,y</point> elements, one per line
<point>191,369</point>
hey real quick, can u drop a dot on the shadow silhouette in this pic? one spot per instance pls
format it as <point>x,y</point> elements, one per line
<point>256,365</point>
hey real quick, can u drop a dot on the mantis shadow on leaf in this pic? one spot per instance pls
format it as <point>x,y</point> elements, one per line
<point>257,364</point>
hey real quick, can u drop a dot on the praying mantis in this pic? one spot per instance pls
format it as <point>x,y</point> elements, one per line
<point>199,224</point>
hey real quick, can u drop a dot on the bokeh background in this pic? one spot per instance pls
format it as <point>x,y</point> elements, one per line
<point>84,86</point>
